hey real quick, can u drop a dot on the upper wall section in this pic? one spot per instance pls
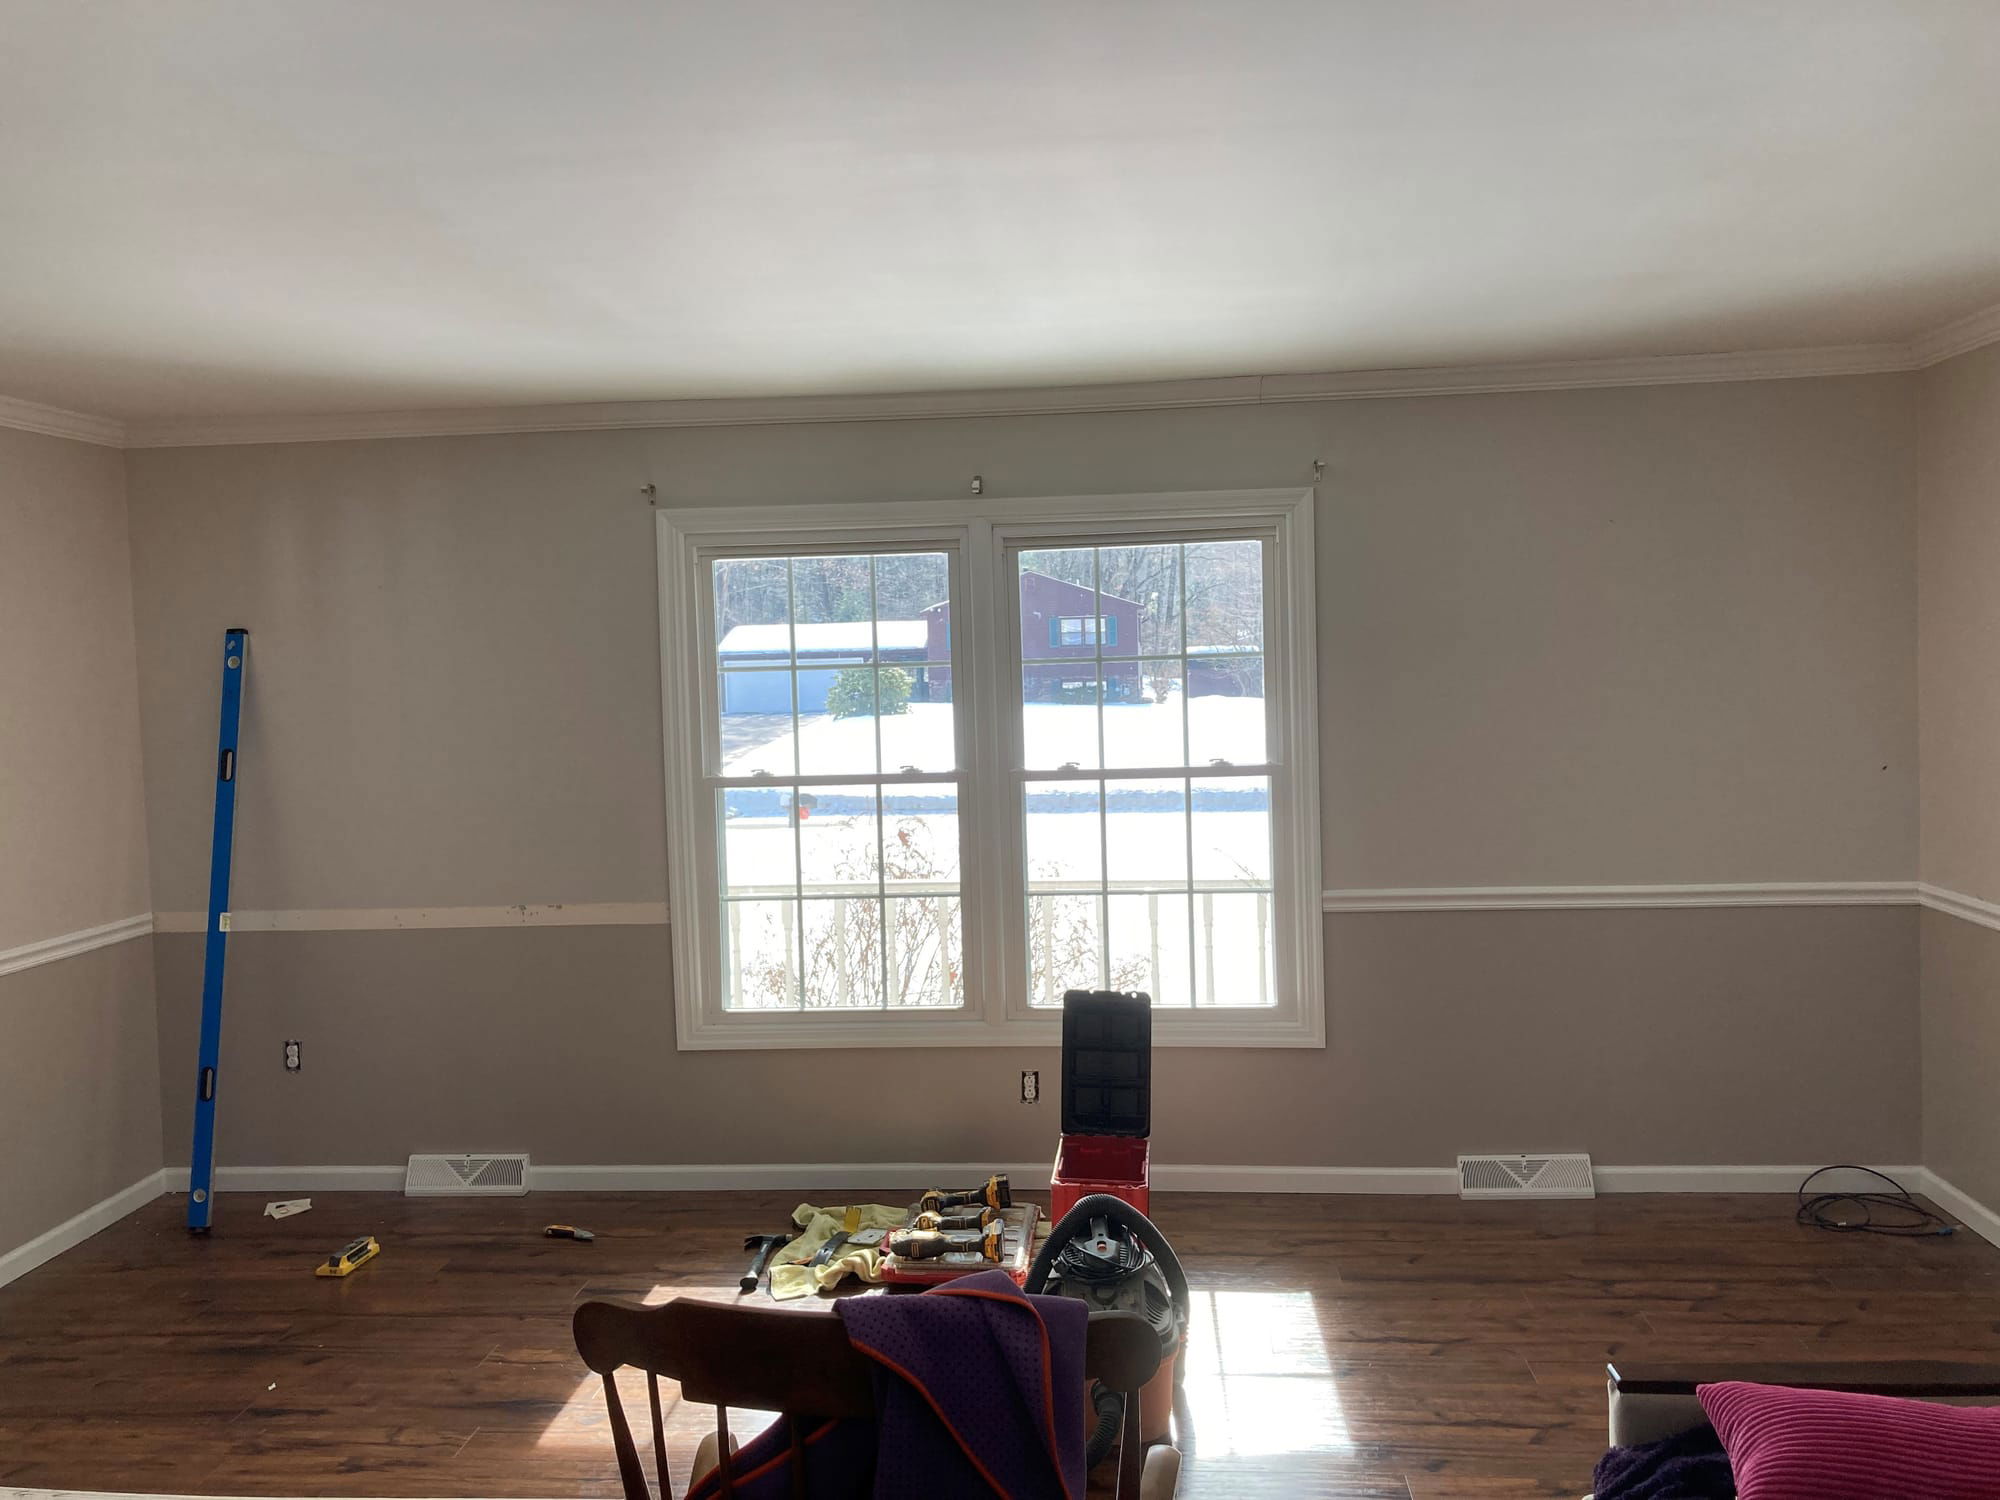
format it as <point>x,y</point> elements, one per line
<point>1959,622</point>
<point>1651,635</point>
<point>72,823</point>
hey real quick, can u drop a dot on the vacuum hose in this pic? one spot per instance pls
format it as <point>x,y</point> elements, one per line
<point>1116,1211</point>
<point>1110,1408</point>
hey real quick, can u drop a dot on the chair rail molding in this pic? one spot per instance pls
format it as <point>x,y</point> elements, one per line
<point>1600,897</point>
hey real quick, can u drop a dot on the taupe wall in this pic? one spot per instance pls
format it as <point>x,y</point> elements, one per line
<point>79,1086</point>
<point>1748,1035</point>
<point>70,791</point>
<point>79,1063</point>
<point>1621,636</point>
<point>1959,688</point>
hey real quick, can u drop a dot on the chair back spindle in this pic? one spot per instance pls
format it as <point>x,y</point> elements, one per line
<point>798,1364</point>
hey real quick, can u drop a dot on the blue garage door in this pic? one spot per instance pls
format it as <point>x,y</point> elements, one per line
<point>771,692</point>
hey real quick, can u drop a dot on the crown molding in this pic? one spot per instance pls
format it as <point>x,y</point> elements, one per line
<point>1247,390</point>
<point>54,421</point>
<point>1961,336</point>
<point>1958,337</point>
<point>1656,369</point>
<point>730,412</point>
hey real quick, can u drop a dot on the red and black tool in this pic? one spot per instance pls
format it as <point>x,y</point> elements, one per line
<point>992,1193</point>
<point>931,1219</point>
<point>930,1244</point>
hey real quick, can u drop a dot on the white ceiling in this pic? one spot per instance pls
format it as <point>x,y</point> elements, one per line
<point>262,206</point>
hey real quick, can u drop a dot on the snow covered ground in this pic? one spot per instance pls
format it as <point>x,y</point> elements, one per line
<point>1175,900</point>
<point>1135,734</point>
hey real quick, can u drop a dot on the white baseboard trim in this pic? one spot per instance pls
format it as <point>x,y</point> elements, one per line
<point>633,1178</point>
<point>1033,1177</point>
<point>1173,1178</point>
<point>1968,1210</point>
<point>1609,1179</point>
<point>384,1179</point>
<point>761,1176</point>
<point>1722,1179</point>
<point>73,1231</point>
<point>70,944</point>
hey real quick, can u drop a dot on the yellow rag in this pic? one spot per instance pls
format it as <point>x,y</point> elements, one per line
<point>792,1277</point>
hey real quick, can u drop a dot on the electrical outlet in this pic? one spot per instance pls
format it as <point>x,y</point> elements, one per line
<point>291,1057</point>
<point>1031,1085</point>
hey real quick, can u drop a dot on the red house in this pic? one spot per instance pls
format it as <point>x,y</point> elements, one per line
<point>1061,626</point>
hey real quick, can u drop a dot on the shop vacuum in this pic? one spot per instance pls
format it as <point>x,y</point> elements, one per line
<point>1103,1250</point>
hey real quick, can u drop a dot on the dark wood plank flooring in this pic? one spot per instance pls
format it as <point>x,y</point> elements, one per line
<point>1412,1348</point>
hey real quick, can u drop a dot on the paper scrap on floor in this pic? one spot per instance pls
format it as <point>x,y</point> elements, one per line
<point>284,1208</point>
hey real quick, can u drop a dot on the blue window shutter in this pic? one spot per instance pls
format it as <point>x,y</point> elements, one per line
<point>1110,629</point>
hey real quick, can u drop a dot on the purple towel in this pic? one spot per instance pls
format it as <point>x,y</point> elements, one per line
<point>840,1464</point>
<point>978,1391</point>
<point>977,1381</point>
<point>1687,1466</point>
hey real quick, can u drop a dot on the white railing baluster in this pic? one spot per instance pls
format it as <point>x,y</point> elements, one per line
<point>1208,946</point>
<point>891,976</point>
<point>736,950</point>
<point>842,985</point>
<point>941,909</point>
<point>1263,947</point>
<point>1153,940</point>
<point>794,974</point>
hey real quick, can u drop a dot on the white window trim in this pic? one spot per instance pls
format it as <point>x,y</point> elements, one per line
<point>979,534</point>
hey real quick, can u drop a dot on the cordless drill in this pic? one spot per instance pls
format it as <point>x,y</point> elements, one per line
<point>931,1219</point>
<point>929,1244</point>
<point>993,1193</point>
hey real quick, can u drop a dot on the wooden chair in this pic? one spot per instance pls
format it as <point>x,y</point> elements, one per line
<point>800,1364</point>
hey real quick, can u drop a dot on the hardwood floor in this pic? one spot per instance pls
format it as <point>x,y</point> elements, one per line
<point>1413,1348</point>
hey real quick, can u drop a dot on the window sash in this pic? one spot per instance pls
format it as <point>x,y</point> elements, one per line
<point>1175,994</point>
<point>980,540</point>
<point>799,898</point>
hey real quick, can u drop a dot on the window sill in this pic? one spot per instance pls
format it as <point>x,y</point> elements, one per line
<point>792,1032</point>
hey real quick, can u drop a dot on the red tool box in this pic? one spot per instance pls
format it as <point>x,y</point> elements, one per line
<point>1107,1100</point>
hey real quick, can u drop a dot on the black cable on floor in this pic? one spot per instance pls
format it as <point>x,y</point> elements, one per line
<point>1856,1213</point>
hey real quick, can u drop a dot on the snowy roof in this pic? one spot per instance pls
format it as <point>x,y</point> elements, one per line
<point>838,635</point>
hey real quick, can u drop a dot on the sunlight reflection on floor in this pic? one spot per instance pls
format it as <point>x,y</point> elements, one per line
<point>1258,1383</point>
<point>584,1423</point>
<point>1258,1378</point>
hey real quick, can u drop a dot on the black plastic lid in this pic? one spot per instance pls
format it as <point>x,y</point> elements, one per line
<point>1107,1063</point>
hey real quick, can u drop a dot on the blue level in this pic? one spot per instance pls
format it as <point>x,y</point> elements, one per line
<point>201,1172</point>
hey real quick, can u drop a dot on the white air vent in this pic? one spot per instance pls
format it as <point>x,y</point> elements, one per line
<point>1557,1176</point>
<point>491,1175</point>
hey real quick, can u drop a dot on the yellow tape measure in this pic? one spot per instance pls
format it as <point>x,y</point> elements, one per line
<point>349,1259</point>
